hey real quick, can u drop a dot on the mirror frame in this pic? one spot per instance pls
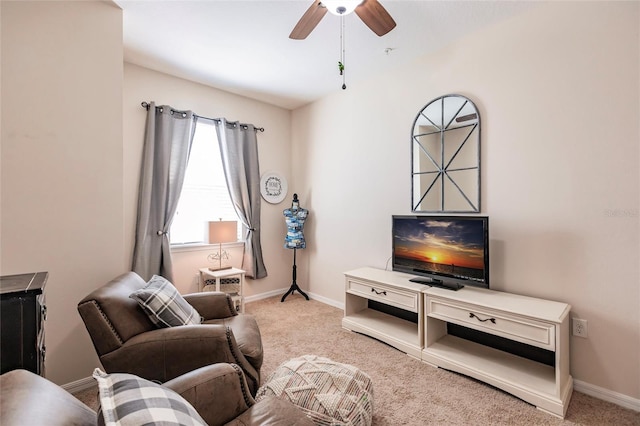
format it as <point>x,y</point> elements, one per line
<point>441,170</point>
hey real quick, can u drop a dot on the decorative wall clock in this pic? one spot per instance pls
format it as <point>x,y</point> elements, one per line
<point>273,187</point>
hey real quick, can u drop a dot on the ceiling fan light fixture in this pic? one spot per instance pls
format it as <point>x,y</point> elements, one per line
<point>341,7</point>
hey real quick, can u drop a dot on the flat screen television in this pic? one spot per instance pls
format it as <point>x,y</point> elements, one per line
<point>442,251</point>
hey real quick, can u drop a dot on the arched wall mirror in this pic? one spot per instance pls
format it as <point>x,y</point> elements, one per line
<point>445,157</point>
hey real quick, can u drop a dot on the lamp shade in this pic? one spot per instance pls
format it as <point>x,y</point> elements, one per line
<point>223,231</point>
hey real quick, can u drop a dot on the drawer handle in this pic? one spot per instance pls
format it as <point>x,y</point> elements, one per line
<point>378,292</point>
<point>472,315</point>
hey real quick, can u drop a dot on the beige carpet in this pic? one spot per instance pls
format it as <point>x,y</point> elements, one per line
<point>406,391</point>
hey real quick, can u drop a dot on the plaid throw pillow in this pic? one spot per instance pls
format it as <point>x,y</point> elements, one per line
<point>164,305</point>
<point>130,400</point>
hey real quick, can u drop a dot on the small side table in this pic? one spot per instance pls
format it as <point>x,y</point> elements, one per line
<point>237,296</point>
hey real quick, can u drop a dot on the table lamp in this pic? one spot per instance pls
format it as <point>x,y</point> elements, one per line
<point>222,231</point>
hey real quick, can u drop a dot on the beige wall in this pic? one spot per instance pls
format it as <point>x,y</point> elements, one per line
<point>558,92</point>
<point>62,205</point>
<point>141,84</point>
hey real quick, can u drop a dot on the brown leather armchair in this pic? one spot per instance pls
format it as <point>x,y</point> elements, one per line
<point>217,392</point>
<point>126,340</point>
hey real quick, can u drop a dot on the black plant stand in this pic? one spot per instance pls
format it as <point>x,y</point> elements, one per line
<point>294,285</point>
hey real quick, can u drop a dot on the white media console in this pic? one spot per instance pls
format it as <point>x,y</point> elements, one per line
<point>516,343</point>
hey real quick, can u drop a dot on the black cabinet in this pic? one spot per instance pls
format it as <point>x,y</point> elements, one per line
<point>22,315</point>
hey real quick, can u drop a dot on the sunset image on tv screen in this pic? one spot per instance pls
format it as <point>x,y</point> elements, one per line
<point>453,247</point>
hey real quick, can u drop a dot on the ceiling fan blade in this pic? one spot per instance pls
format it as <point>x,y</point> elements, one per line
<point>375,16</point>
<point>309,20</point>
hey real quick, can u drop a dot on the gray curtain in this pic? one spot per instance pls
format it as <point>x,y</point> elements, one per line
<point>167,143</point>
<point>239,152</point>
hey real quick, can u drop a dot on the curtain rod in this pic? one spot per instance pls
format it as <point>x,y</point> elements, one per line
<point>146,106</point>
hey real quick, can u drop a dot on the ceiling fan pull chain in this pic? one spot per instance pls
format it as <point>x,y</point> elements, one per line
<point>342,60</point>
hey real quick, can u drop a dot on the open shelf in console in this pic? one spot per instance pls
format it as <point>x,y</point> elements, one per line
<point>498,368</point>
<point>397,332</point>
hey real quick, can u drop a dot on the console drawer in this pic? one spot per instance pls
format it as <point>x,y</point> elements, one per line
<point>387,295</point>
<point>513,327</point>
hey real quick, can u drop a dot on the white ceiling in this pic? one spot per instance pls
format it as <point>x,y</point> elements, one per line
<point>244,47</point>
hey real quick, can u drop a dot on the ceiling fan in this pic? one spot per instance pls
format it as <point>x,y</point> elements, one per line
<point>371,12</point>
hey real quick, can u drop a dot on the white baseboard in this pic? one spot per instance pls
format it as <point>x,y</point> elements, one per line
<point>266,295</point>
<point>327,301</point>
<point>607,395</point>
<point>282,291</point>
<point>80,385</point>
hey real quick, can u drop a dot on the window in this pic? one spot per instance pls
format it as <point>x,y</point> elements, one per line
<point>204,195</point>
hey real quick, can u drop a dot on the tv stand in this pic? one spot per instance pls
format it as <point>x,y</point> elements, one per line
<point>437,283</point>
<point>538,323</point>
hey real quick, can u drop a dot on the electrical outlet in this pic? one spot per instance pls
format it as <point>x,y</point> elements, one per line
<point>580,327</point>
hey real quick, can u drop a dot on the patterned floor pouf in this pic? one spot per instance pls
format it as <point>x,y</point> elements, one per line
<point>330,393</point>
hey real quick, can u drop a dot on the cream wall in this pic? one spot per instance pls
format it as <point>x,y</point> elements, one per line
<point>558,93</point>
<point>141,84</point>
<point>61,161</point>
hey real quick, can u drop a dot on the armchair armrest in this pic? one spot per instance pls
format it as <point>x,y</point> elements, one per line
<point>218,392</point>
<point>272,411</point>
<point>165,353</point>
<point>212,304</point>
<point>28,399</point>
